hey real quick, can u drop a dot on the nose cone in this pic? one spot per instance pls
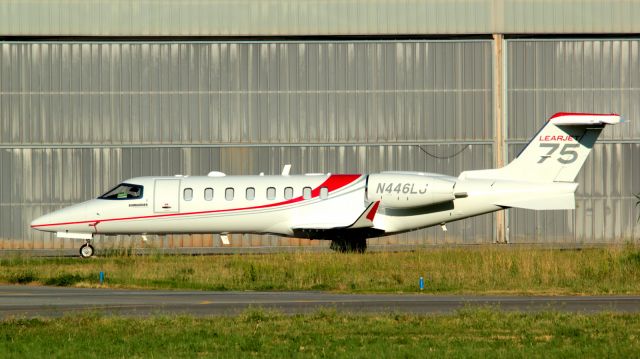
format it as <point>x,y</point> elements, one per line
<point>39,222</point>
<point>66,219</point>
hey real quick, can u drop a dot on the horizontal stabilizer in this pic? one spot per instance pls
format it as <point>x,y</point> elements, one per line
<point>541,202</point>
<point>537,196</point>
<point>581,119</point>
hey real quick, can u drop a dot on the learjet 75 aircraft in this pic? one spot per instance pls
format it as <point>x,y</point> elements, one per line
<point>344,208</point>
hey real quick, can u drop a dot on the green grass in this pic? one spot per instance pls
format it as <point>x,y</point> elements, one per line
<point>482,270</point>
<point>326,333</point>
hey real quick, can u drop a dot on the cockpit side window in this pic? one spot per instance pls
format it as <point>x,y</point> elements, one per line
<point>124,191</point>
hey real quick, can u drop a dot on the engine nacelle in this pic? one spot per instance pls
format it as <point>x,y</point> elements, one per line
<point>408,190</point>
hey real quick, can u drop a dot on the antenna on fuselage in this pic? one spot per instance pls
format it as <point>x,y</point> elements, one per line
<point>286,169</point>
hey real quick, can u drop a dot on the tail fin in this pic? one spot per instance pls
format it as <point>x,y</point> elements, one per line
<point>557,152</point>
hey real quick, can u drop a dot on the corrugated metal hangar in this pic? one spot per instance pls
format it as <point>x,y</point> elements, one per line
<point>94,92</point>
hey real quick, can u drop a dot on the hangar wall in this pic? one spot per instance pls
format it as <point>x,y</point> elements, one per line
<point>79,117</point>
<point>91,94</point>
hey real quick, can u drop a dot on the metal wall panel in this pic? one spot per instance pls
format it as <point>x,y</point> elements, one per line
<point>314,17</point>
<point>36,181</point>
<point>602,76</point>
<point>545,77</point>
<point>605,206</point>
<point>565,16</point>
<point>244,93</point>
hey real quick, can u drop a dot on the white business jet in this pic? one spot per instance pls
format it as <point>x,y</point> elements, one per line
<point>344,208</point>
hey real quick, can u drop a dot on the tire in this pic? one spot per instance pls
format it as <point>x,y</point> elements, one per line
<point>354,245</point>
<point>86,251</point>
<point>339,245</point>
<point>359,245</point>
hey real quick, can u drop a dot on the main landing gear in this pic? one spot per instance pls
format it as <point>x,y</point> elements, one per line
<point>86,250</point>
<point>344,245</point>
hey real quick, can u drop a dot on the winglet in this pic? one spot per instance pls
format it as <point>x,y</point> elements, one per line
<point>366,218</point>
<point>373,211</point>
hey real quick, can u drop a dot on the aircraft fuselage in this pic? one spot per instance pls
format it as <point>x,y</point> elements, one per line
<point>273,204</point>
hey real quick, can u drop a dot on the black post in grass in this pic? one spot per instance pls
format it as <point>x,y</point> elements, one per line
<point>638,203</point>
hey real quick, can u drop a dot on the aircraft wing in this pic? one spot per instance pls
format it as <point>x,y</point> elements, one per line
<point>321,230</point>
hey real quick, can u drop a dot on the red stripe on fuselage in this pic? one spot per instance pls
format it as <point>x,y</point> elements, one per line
<point>333,183</point>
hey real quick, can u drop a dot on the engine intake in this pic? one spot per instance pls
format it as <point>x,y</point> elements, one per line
<point>408,190</point>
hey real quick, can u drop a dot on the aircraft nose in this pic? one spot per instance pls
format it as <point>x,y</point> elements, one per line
<point>36,222</point>
<point>61,220</point>
<point>41,222</point>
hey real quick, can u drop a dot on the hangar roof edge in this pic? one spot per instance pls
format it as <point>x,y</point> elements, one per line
<point>315,17</point>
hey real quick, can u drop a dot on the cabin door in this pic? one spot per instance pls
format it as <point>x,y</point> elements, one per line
<point>166,197</point>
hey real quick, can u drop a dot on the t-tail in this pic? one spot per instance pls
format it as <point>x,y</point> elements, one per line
<point>548,166</point>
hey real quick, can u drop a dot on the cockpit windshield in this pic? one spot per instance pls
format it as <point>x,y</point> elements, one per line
<point>124,191</point>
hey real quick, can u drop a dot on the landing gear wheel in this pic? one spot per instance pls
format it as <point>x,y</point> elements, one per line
<point>343,245</point>
<point>359,245</point>
<point>86,250</point>
<point>338,245</point>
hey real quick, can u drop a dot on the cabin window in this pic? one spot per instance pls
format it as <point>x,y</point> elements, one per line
<point>306,193</point>
<point>271,193</point>
<point>288,192</point>
<point>228,194</point>
<point>124,191</point>
<point>187,194</point>
<point>208,194</point>
<point>251,193</point>
<point>324,192</point>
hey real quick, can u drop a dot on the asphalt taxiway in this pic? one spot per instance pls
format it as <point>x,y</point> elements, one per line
<point>34,301</point>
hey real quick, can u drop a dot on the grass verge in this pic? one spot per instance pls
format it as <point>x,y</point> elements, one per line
<point>326,333</point>
<point>487,269</point>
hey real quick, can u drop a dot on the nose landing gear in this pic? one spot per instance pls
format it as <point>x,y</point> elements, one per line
<point>86,250</point>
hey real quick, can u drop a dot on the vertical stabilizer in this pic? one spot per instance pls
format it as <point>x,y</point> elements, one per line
<point>557,152</point>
